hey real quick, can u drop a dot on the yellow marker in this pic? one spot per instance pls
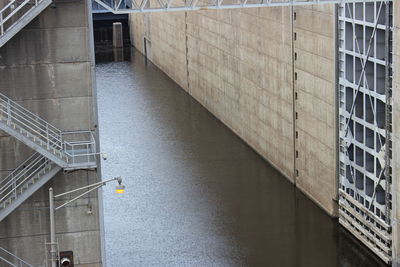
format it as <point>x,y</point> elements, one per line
<point>120,189</point>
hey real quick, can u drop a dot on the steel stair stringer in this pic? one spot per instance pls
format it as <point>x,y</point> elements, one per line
<point>24,181</point>
<point>25,138</point>
<point>70,150</point>
<point>17,14</point>
<point>10,259</point>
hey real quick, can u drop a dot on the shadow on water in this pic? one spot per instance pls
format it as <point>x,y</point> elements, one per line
<point>197,195</point>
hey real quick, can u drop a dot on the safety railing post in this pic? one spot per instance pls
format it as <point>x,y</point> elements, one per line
<point>14,187</point>
<point>47,137</point>
<point>8,112</point>
<point>1,24</point>
<point>73,154</point>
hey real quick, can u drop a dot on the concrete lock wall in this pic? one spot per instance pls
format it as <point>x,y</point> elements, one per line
<point>265,73</point>
<point>270,75</point>
<point>47,68</point>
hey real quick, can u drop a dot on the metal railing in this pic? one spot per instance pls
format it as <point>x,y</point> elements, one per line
<point>79,151</point>
<point>77,147</point>
<point>12,260</point>
<point>96,8</point>
<point>15,10</point>
<point>18,180</point>
<point>42,132</point>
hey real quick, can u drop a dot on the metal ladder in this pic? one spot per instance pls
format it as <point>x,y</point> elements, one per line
<point>15,15</point>
<point>70,150</point>
<point>9,259</point>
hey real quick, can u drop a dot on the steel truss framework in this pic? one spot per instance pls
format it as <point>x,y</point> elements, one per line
<point>365,118</point>
<point>141,6</point>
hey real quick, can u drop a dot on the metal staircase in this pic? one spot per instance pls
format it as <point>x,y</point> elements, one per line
<point>15,15</point>
<point>9,259</point>
<point>55,150</point>
<point>69,150</point>
<point>24,181</point>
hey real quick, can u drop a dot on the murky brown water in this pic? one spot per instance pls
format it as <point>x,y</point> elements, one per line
<point>196,194</point>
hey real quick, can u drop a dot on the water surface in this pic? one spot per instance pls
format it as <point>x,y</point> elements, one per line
<point>196,194</point>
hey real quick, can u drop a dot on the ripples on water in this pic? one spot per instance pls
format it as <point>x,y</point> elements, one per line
<point>196,194</point>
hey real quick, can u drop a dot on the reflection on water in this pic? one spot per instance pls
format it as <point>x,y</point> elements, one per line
<point>104,54</point>
<point>196,194</point>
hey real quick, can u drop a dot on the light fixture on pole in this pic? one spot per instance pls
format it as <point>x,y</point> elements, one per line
<point>120,189</point>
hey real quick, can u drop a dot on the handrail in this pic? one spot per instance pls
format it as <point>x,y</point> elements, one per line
<point>30,171</point>
<point>7,6</point>
<point>8,194</point>
<point>20,170</point>
<point>44,138</point>
<point>20,261</point>
<point>8,108</point>
<point>13,13</point>
<point>89,146</point>
<point>26,162</point>
<point>8,114</point>
<point>18,106</point>
<point>8,262</point>
<point>32,121</point>
<point>43,133</point>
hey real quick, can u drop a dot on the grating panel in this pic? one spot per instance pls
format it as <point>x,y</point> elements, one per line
<point>365,123</point>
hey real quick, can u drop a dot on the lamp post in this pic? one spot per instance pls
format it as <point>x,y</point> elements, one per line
<point>120,189</point>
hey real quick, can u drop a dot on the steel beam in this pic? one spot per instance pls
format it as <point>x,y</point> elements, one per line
<point>171,5</point>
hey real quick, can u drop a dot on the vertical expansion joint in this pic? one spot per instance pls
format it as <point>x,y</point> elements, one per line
<point>187,50</point>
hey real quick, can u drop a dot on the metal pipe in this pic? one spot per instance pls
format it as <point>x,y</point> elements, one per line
<point>77,197</point>
<point>88,186</point>
<point>53,250</point>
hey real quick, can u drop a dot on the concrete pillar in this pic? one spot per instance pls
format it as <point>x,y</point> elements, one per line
<point>47,68</point>
<point>118,54</point>
<point>118,40</point>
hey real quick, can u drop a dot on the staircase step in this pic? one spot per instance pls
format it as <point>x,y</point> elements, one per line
<point>33,182</point>
<point>35,141</point>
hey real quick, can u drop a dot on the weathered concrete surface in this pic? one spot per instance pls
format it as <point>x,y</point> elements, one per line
<point>118,39</point>
<point>47,68</point>
<point>314,63</point>
<point>164,36</point>
<point>240,65</point>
